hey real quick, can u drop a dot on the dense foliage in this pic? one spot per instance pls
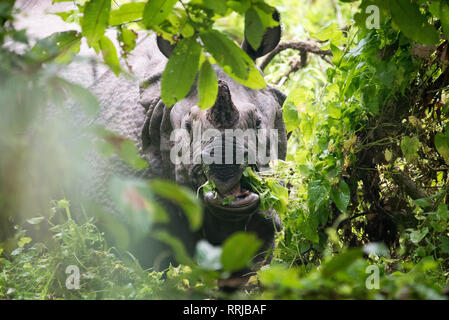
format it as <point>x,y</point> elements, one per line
<point>366,178</point>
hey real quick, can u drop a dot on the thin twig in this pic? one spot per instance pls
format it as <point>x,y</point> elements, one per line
<point>302,46</point>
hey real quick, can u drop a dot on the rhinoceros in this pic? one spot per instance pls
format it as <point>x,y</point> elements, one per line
<point>134,109</point>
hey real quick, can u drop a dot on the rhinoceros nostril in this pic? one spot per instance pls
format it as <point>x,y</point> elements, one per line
<point>224,172</point>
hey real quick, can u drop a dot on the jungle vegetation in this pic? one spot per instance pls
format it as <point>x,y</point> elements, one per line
<point>364,200</point>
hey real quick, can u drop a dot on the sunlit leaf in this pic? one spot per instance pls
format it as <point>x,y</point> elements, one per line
<point>232,59</point>
<point>126,13</point>
<point>179,74</point>
<point>156,11</point>
<point>254,28</point>
<point>95,21</point>
<point>207,86</point>
<point>109,53</point>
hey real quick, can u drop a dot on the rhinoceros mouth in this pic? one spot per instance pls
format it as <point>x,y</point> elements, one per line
<point>239,200</point>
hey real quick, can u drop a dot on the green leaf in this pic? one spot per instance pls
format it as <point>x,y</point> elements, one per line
<point>239,250</point>
<point>110,55</point>
<point>442,145</point>
<point>417,235</point>
<point>177,246</point>
<point>444,244</point>
<point>410,147</point>
<point>127,38</point>
<point>156,11</point>
<point>218,6</point>
<point>233,59</point>
<point>291,116</point>
<point>299,97</point>
<point>81,95</point>
<point>23,241</point>
<point>423,202</point>
<point>340,262</point>
<point>126,13</point>
<point>377,248</point>
<point>442,212</point>
<point>95,21</point>
<point>35,220</point>
<point>254,28</point>
<point>239,6</point>
<point>341,196</point>
<point>331,32</point>
<point>444,17</point>
<point>208,256</point>
<point>308,226</point>
<point>318,192</point>
<point>182,197</point>
<point>280,194</point>
<point>112,143</point>
<point>179,74</point>
<point>207,86</point>
<point>59,47</point>
<point>135,201</point>
<point>412,23</point>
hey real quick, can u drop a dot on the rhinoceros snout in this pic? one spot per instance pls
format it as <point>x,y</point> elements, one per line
<point>226,177</point>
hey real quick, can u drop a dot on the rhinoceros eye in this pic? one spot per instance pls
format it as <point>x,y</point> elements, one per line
<point>188,126</point>
<point>258,123</point>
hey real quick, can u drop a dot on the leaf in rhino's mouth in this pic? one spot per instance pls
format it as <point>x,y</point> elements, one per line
<point>253,189</point>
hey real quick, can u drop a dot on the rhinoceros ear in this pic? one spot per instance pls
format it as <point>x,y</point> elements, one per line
<point>165,46</point>
<point>270,40</point>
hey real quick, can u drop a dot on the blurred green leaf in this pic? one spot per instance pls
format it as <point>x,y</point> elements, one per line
<point>182,197</point>
<point>340,262</point>
<point>135,199</point>
<point>208,256</point>
<point>35,220</point>
<point>81,95</point>
<point>238,250</point>
<point>177,246</point>
<point>126,149</point>
<point>23,241</point>
<point>378,249</point>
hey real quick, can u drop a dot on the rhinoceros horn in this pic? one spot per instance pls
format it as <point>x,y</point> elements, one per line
<point>223,114</point>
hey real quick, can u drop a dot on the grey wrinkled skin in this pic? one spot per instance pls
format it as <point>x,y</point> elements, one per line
<point>132,108</point>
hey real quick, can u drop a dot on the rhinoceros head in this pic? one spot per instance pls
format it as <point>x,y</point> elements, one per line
<point>243,128</point>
